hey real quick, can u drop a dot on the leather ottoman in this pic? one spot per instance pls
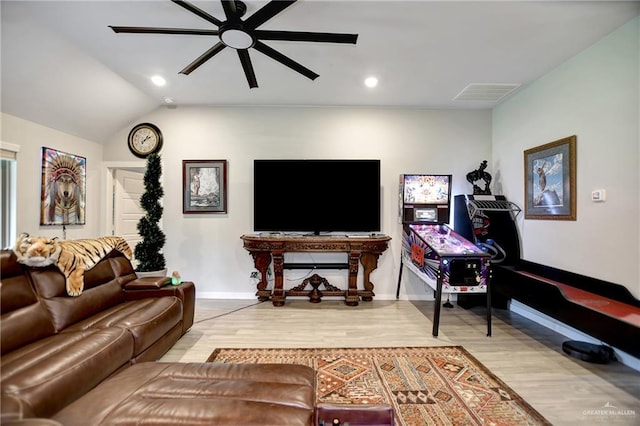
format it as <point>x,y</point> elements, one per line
<point>198,394</point>
<point>354,415</point>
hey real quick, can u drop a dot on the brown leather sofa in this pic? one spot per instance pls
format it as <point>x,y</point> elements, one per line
<point>55,348</point>
<point>78,361</point>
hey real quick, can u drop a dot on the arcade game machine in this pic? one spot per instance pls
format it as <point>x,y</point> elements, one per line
<point>489,221</point>
<point>442,258</point>
<point>590,305</point>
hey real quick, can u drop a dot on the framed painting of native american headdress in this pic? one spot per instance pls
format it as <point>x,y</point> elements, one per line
<point>62,198</point>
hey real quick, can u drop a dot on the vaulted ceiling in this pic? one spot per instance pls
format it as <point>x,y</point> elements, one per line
<point>64,67</point>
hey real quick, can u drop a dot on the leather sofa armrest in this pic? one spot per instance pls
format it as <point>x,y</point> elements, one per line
<point>185,291</point>
<point>147,283</point>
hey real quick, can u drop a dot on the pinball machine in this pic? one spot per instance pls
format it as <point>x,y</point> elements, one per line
<point>435,253</point>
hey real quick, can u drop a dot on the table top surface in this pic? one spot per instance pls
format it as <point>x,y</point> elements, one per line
<point>281,236</point>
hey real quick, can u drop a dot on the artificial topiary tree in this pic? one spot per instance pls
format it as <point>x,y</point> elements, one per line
<point>148,252</point>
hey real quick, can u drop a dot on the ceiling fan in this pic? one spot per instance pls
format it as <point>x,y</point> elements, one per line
<point>242,35</point>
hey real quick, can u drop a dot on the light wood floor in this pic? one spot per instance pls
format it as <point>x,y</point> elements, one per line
<point>526,356</point>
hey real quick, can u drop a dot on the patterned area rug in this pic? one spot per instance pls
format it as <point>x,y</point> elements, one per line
<point>442,385</point>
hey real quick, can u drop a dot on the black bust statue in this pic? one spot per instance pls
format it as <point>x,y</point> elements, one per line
<point>480,174</point>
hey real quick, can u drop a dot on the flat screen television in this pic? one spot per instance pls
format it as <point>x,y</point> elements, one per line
<point>316,196</point>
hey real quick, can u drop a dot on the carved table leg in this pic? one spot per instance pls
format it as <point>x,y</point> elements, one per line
<point>369,262</point>
<point>315,296</point>
<point>279,295</point>
<point>261,260</point>
<point>351,297</point>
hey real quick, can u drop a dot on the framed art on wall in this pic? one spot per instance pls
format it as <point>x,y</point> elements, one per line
<point>62,196</point>
<point>204,186</point>
<point>550,180</point>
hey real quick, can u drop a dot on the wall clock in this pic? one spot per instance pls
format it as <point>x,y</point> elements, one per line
<point>144,139</point>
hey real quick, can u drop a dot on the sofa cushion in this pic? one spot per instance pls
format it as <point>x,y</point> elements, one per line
<point>199,394</point>
<point>24,319</point>
<point>66,310</point>
<point>49,374</point>
<point>146,319</point>
<point>122,268</point>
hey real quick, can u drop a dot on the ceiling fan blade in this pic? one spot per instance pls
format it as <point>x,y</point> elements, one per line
<point>284,60</point>
<point>267,12</point>
<point>230,10</point>
<point>306,36</point>
<point>197,11</point>
<point>203,58</point>
<point>245,60</point>
<point>157,30</point>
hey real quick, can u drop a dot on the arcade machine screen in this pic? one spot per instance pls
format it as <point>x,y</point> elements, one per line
<point>426,189</point>
<point>425,198</point>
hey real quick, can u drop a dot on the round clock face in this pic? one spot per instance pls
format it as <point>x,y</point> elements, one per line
<point>145,139</point>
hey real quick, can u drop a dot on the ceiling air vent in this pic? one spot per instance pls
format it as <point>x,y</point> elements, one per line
<point>488,92</point>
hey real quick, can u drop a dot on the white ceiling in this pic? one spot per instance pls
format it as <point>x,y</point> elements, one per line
<point>63,67</point>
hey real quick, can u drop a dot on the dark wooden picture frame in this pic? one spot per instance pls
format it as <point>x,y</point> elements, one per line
<point>204,186</point>
<point>550,180</point>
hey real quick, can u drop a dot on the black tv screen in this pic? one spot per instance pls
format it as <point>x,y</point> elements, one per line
<point>316,196</point>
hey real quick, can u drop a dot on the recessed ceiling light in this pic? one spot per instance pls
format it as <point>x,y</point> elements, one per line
<point>158,80</point>
<point>371,82</point>
<point>168,100</point>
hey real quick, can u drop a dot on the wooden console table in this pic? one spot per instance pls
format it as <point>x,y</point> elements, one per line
<point>267,247</point>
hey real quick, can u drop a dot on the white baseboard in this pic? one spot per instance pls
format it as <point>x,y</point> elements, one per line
<point>252,295</point>
<point>225,295</point>
<point>568,331</point>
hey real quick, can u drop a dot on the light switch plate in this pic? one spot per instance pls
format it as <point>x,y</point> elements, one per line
<point>598,195</point>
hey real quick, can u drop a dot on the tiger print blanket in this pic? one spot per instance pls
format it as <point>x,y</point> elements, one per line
<point>72,257</point>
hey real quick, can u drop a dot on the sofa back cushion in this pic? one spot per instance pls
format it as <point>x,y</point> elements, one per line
<point>102,290</point>
<point>24,319</point>
<point>122,268</point>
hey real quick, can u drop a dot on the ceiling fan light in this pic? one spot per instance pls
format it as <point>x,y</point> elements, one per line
<point>236,39</point>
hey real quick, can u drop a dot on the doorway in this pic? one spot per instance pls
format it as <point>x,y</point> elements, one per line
<point>124,184</point>
<point>128,187</point>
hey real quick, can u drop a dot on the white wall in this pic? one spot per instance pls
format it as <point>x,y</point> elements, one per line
<point>207,248</point>
<point>594,96</point>
<point>31,138</point>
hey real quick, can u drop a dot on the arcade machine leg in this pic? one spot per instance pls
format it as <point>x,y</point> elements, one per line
<point>489,305</point>
<point>436,311</point>
<point>399,279</point>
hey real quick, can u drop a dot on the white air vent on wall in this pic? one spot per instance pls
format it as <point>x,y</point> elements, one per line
<point>485,92</point>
